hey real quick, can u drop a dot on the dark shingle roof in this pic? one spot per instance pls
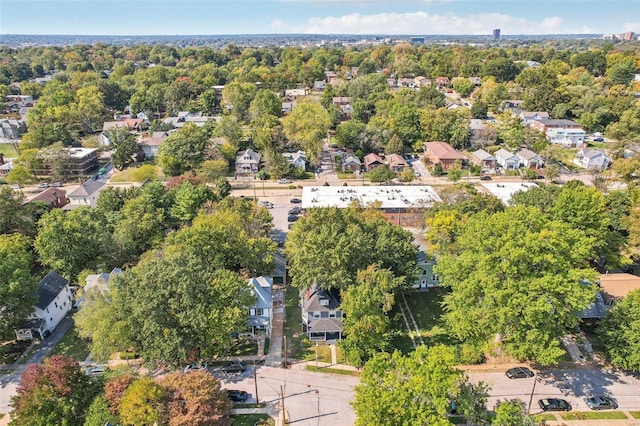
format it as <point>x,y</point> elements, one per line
<point>50,286</point>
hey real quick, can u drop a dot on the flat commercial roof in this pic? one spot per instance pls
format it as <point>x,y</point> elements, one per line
<point>390,197</point>
<point>504,191</point>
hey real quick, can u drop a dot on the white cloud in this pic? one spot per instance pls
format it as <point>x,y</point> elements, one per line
<point>425,23</point>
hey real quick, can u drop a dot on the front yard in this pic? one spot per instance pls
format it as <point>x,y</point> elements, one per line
<point>71,345</point>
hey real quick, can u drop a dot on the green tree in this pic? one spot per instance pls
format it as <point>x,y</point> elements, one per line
<point>124,146</point>
<point>19,175</point>
<point>98,413</point>
<point>523,282</point>
<point>146,172</point>
<point>265,103</point>
<point>451,126</point>
<point>223,187</point>
<point>211,170</point>
<point>510,130</point>
<point>14,216</point>
<point>237,97</point>
<point>306,126</point>
<point>413,389</point>
<point>188,200</point>
<point>17,284</point>
<point>381,174</point>
<point>619,332</point>
<point>407,175</point>
<point>479,109</point>
<point>349,134</point>
<point>366,305</point>
<point>79,228</point>
<point>512,413</point>
<point>183,150</point>
<point>54,393</point>
<point>142,403</point>
<point>503,69</point>
<point>463,86</point>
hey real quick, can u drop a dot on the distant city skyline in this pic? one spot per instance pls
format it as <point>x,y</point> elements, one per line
<point>205,17</point>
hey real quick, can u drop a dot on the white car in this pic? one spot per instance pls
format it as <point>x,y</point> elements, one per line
<point>284,181</point>
<point>265,203</point>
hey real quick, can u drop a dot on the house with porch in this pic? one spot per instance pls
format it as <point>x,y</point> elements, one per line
<point>507,160</point>
<point>298,159</point>
<point>351,162</point>
<point>372,160</point>
<point>443,154</point>
<point>588,158</point>
<point>261,312</point>
<point>544,124</point>
<point>566,137</point>
<point>530,159</point>
<point>425,278</point>
<point>321,314</point>
<point>529,116</point>
<point>483,159</point>
<point>85,195</point>
<point>151,144</point>
<point>55,300</point>
<point>247,162</point>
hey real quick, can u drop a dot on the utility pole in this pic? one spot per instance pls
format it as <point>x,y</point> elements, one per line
<point>284,413</point>
<point>286,364</point>
<point>255,381</point>
<point>316,354</point>
<point>533,390</point>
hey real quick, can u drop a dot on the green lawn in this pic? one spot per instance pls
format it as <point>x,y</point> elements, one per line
<point>72,345</point>
<point>8,150</point>
<point>635,414</point>
<point>333,370</point>
<point>593,415</point>
<point>128,175</point>
<point>244,347</point>
<point>544,417</point>
<point>297,344</point>
<point>252,420</point>
<point>324,353</point>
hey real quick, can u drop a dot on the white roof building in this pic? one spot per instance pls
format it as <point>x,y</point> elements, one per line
<point>390,197</point>
<point>504,191</point>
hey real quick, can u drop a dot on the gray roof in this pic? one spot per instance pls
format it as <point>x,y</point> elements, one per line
<point>261,288</point>
<point>248,157</point>
<point>329,325</point>
<point>596,309</point>
<point>87,188</point>
<point>279,266</point>
<point>591,153</point>
<point>505,155</point>
<point>49,288</point>
<point>527,154</point>
<point>483,155</point>
<point>560,122</point>
<point>311,299</point>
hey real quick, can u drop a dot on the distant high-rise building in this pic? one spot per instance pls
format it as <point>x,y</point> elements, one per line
<point>496,34</point>
<point>417,40</point>
<point>628,36</point>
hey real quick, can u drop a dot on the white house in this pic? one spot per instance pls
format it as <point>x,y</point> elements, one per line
<point>55,300</point>
<point>298,159</point>
<point>85,195</point>
<point>426,278</point>
<point>530,159</point>
<point>588,158</point>
<point>248,162</point>
<point>261,312</point>
<point>506,159</point>
<point>319,85</point>
<point>529,116</point>
<point>567,137</point>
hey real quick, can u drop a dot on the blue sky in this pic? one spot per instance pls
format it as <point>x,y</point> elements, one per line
<point>192,17</point>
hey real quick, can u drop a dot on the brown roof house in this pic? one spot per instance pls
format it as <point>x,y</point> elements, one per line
<point>53,197</point>
<point>441,153</point>
<point>396,162</point>
<point>371,161</point>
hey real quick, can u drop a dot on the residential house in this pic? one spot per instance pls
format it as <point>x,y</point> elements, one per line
<point>248,162</point>
<point>150,144</point>
<point>261,312</point>
<point>530,159</point>
<point>12,129</point>
<point>371,161</point>
<point>287,107</point>
<point>588,158</point>
<point>130,124</point>
<point>406,82</point>
<point>443,154</point>
<point>298,159</point>
<point>340,100</point>
<point>97,283</point>
<point>422,81</point>
<point>544,124</point>
<point>442,82</point>
<point>529,116</point>
<point>351,162</point>
<point>55,300</point>
<point>396,162</point>
<point>476,81</point>
<point>483,159</point>
<point>294,94</point>
<point>85,195</point>
<point>329,76</point>
<point>5,165</point>
<point>615,287</point>
<point>391,82</point>
<point>319,85</point>
<point>347,110</point>
<point>52,197</point>
<point>425,279</point>
<point>507,160</point>
<point>566,137</point>
<point>279,273</point>
<point>477,134</point>
<point>512,105</point>
<point>185,117</point>
<point>321,314</point>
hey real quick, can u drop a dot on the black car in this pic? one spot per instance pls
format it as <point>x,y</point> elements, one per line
<point>601,403</point>
<point>294,210</point>
<point>292,218</point>
<point>295,201</point>
<point>234,367</point>
<point>485,177</point>
<point>237,395</point>
<point>598,139</point>
<point>519,373</point>
<point>554,404</point>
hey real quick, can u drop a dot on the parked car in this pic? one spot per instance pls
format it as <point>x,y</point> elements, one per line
<point>198,366</point>
<point>485,177</point>
<point>519,373</point>
<point>43,185</point>
<point>56,184</point>
<point>234,367</point>
<point>601,403</point>
<point>292,218</point>
<point>15,186</point>
<point>237,395</point>
<point>295,201</point>
<point>554,404</point>
<point>97,370</point>
<point>266,204</point>
<point>284,181</point>
<point>416,174</point>
<point>598,139</point>
<point>294,210</point>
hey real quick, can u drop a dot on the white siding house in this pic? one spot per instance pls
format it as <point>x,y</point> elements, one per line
<point>261,312</point>
<point>591,159</point>
<point>567,137</point>
<point>507,160</point>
